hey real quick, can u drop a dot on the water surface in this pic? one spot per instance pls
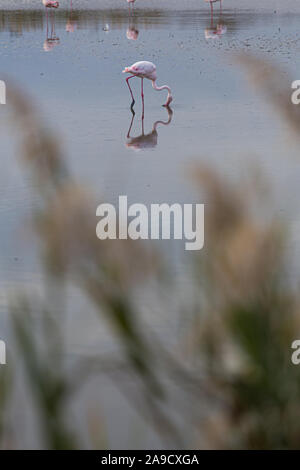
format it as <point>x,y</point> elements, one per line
<point>71,67</point>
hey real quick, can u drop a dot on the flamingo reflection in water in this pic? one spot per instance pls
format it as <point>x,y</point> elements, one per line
<point>215,31</point>
<point>71,24</point>
<point>51,40</point>
<point>132,32</point>
<point>146,141</point>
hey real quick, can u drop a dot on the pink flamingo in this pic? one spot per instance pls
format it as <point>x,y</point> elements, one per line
<point>147,70</point>
<point>215,32</point>
<point>53,39</point>
<point>50,3</point>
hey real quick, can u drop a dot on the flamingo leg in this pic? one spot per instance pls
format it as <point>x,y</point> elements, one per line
<point>71,11</point>
<point>220,6</point>
<point>131,123</point>
<point>143,130</point>
<point>54,32</point>
<point>47,21</point>
<point>142,93</point>
<point>211,15</point>
<point>51,21</point>
<point>127,81</point>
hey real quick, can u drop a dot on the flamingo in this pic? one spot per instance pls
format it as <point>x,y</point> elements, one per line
<point>145,69</point>
<point>53,39</point>
<point>215,31</point>
<point>50,3</point>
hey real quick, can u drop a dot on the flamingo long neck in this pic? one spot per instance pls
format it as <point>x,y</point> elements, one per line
<point>165,123</point>
<point>159,88</point>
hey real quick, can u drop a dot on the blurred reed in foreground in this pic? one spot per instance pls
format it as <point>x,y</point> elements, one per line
<point>235,371</point>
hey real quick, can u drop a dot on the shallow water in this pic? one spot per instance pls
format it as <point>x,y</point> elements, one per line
<point>73,72</point>
<point>76,78</point>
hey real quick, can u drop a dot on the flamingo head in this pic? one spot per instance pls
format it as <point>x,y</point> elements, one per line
<point>132,69</point>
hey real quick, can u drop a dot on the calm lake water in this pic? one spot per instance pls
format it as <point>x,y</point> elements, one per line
<point>72,69</point>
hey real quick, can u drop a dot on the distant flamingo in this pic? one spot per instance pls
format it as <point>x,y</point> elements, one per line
<point>147,70</point>
<point>215,31</point>
<point>53,39</point>
<point>50,3</point>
